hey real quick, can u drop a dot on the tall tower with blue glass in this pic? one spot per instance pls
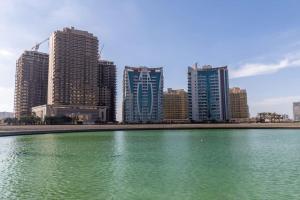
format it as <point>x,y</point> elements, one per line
<point>142,95</point>
<point>208,94</point>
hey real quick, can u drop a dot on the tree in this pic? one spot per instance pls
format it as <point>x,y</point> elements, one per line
<point>11,121</point>
<point>58,120</point>
<point>30,120</point>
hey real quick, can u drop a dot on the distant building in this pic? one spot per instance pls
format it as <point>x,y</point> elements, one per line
<point>31,82</point>
<point>175,105</point>
<point>269,117</point>
<point>142,95</point>
<point>73,82</point>
<point>208,93</point>
<point>4,115</point>
<point>107,89</point>
<point>238,104</point>
<point>296,110</point>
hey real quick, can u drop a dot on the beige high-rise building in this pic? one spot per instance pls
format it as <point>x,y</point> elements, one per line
<point>73,88</point>
<point>238,103</point>
<point>73,67</point>
<point>175,105</point>
<point>31,82</point>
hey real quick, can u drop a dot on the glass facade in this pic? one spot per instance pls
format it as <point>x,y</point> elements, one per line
<point>142,95</point>
<point>208,93</point>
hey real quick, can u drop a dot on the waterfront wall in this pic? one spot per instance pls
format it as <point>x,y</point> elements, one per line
<point>44,129</point>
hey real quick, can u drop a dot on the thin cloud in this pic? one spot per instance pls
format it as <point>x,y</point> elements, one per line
<point>278,100</point>
<point>254,69</point>
<point>5,53</point>
<point>280,104</point>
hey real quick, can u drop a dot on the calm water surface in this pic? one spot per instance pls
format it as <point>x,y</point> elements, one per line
<point>183,164</point>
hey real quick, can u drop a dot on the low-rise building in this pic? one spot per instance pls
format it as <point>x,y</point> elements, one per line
<point>79,113</point>
<point>4,115</point>
<point>269,117</point>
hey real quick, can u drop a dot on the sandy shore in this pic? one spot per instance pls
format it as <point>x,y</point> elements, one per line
<point>43,129</point>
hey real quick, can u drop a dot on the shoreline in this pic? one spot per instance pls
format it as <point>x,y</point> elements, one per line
<point>49,129</point>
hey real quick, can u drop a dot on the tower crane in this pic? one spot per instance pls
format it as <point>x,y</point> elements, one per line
<point>100,52</point>
<point>37,46</point>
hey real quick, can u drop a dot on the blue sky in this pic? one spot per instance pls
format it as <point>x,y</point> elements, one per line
<point>258,40</point>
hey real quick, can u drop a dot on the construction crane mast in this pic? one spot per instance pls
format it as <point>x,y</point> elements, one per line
<point>37,46</point>
<point>100,52</point>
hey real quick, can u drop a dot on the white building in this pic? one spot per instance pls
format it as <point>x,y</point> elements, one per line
<point>4,115</point>
<point>208,93</point>
<point>296,110</point>
<point>80,113</point>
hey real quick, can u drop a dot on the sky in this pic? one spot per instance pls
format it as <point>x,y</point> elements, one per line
<point>258,40</point>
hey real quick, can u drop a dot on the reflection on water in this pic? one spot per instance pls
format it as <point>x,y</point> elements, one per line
<point>191,164</point>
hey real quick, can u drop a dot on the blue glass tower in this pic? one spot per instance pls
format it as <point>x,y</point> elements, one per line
<point>142,95</point>
<point>208,93</point>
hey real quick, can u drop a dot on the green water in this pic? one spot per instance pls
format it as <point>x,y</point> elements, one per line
<point>183,164</point>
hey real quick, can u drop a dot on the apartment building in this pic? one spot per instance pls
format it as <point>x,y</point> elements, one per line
<point>142,95</point>
<point>175,105</point>
<point>208,93</point>
<point>31,82</point>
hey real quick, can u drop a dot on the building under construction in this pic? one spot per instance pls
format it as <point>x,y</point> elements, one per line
<point>107,89</point>
<point>79,85</point>
<point>73,64</point>
<point>72,81</point>
<point>31,82</point>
